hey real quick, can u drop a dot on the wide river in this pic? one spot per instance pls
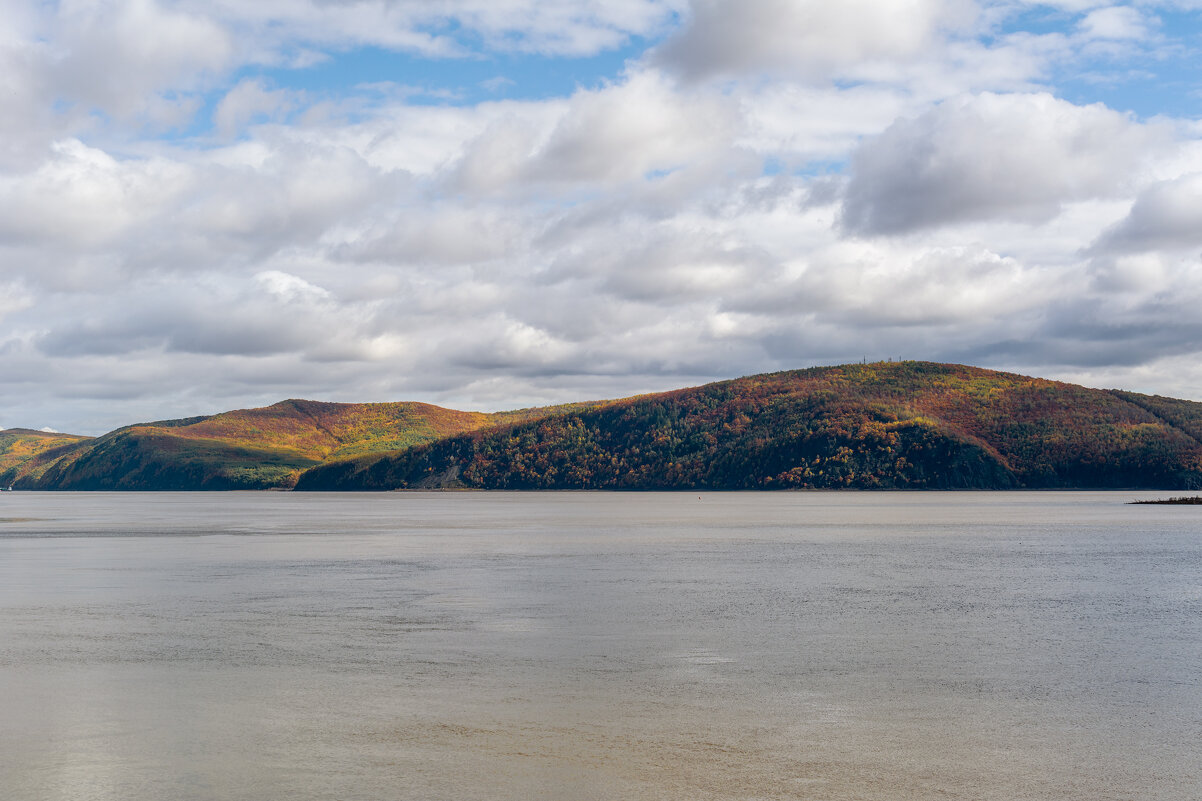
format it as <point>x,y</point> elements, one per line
<point>462,646</point>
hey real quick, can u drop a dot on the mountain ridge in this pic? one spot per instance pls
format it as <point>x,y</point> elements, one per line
<point>873,426</point>
<point>259,448</point>
<point>883,425</point>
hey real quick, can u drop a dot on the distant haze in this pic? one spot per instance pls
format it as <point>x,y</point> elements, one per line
<point>491,205</point>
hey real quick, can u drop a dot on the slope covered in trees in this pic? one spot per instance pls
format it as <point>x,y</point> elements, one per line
<point>251,448</point>
<point>27,453</point>
<point>884,425</point>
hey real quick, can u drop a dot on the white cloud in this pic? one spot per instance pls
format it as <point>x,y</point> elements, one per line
<point>250,99</point>
<point>14,297</point>
<point>498,83</point>
<point>81,196</point>
<point>872,287</point>
<point>1115,22</point>
<point>293,196</point>
<point>624,132</point>
<point>116,55</point>
<point>424,141</point>
<point>70,69</point>
<point>291,288</point>
<point>620,134</point>
<point>804,124</point>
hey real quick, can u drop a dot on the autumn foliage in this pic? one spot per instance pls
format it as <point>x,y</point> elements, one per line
<point>250,448</point>
<point>888,425</point>
<point>873,426</point>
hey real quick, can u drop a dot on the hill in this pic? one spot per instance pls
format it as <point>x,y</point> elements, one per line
<point>884,425</point>
<point>26,454</point>
<point>264,448</point>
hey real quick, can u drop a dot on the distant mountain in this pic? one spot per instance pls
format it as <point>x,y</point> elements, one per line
<point>871,426</point>
<point>246,449</point>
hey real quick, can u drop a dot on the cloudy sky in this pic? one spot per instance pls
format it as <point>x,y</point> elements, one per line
<point>486,204</point>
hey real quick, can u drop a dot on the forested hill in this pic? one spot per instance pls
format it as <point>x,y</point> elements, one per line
<point>883,425</point>
<point>27,454</point>
<point>264,448</point>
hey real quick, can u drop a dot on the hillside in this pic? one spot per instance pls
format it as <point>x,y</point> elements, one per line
<point>884,425</point>
<point>250,448</point>
<point>25,453</point>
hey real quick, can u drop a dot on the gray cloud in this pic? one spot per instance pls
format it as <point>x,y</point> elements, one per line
<point>991,157</point>
<point>807,38</point>
<point>1166,216</point>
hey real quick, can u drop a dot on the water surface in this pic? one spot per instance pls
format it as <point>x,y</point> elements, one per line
<point>599,646</point>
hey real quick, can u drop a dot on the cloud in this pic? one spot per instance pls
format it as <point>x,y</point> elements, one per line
<point>116,55</point>
<point>81,197</point>
<point>270,314</point>
<point>550,27</point>
<point>622,133</point>
<point>1095,331</point>
<point>933,287</point>
<point>670,263</point>
<point>777,185</point>
<point>802,124</point>
<point>72,68</point>
<point>497,83</point>
<point>249,100</point>
<point>14,297</point>
<point>1173,375</point>
<point>287,194</point>
<point>1115,22</point>
<point>291,288</point>
<point>807,39</point>
<point>441,234</point>
<point>565,27</point>
<point>616,135</point>
<point>1165,216</point>
<point>1017,157</point>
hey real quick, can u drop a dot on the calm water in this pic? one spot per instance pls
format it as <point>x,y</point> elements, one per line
<point>892,646</point>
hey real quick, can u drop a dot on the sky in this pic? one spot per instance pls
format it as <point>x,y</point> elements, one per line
<point>491,204</point>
